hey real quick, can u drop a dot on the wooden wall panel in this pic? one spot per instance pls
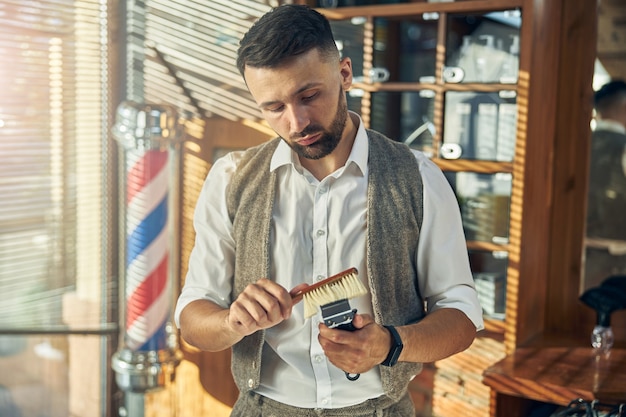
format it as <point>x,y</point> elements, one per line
<point>557,130</point>
<point>572,114</point>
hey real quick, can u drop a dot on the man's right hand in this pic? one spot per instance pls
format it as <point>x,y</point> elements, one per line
<point>261,305</point>
<point>210,327</point>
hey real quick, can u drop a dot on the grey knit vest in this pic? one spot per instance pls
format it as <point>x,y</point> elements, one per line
<point>395,204</point>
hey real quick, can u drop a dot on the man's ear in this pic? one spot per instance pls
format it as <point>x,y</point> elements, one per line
<point>345,69</point>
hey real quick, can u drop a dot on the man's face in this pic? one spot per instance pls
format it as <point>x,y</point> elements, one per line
<point>304,101</point>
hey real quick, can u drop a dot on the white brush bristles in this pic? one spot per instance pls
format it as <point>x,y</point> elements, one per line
<point>349,286</point>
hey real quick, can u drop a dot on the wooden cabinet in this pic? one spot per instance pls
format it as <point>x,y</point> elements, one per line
<point>498,93</point>
<point>495,93</point>
<point>444,79</point>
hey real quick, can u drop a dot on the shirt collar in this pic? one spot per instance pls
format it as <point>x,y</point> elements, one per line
<point>284,155</point>
<point>613,126</point>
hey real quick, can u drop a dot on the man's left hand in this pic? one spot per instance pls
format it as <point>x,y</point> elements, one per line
<point>356,351</point>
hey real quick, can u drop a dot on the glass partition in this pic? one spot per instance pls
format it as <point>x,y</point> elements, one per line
<point>480,126</point>
<point>485,201</point>
<point>483,48</point>
<point>489,271</point>
<point>406,117</point>
<point>404,49</point>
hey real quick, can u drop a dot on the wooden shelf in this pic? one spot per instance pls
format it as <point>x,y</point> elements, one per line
<point>407,9</point>
<point>393,86</point>
<point>480,167</point>
<point>559,375</point>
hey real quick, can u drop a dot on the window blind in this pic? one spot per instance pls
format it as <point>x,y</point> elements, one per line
<point>53,141</point>
<point>195,71</point>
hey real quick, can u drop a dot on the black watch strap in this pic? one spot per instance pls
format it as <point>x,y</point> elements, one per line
<point>396,347</point>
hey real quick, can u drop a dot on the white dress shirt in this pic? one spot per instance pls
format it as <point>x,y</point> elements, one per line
<point>319,230</point>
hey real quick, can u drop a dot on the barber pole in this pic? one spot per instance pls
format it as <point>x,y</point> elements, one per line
<point>146,361</point>
<point>148,294</point>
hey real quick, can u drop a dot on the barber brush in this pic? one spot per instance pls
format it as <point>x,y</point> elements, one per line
<point>331,296</point>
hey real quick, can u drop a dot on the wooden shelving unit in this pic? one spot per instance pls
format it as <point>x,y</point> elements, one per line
<point>548,177</point>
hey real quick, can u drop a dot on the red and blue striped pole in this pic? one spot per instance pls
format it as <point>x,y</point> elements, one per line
<point>148,293</point>
<point>148,355</point>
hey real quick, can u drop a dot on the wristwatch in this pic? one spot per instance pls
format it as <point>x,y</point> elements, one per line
<point>396,347</point>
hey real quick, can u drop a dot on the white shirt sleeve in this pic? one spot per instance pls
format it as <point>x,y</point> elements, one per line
<point>212,260</point>
<point>445,277</point>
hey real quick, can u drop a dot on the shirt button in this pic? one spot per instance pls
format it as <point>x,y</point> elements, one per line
<point>323,190</point>
<point>318,358</point>
<point>324,401</point>
<point>321,233</point>
<point>320,277</point>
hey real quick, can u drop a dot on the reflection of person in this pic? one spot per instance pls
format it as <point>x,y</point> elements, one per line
<point>325,196</point>
<point>606,207</point>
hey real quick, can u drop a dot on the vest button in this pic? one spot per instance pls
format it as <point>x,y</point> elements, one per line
<point>251,383</point>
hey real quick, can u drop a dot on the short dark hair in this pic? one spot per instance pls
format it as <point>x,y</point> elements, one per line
<point>284,32</point>
<point>609,95</point>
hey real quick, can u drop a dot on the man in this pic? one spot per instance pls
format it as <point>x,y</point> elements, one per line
<point>325,196</point>
<point>606,204</point>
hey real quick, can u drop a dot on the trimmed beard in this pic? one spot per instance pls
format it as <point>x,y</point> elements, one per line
<point>329,139</point>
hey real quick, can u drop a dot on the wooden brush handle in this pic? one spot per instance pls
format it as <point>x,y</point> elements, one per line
<point>296,297</point>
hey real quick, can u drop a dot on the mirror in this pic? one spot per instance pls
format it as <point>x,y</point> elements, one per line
<point>605,242</point>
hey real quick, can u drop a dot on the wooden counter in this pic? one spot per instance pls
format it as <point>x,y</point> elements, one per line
<point>555,376</point>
